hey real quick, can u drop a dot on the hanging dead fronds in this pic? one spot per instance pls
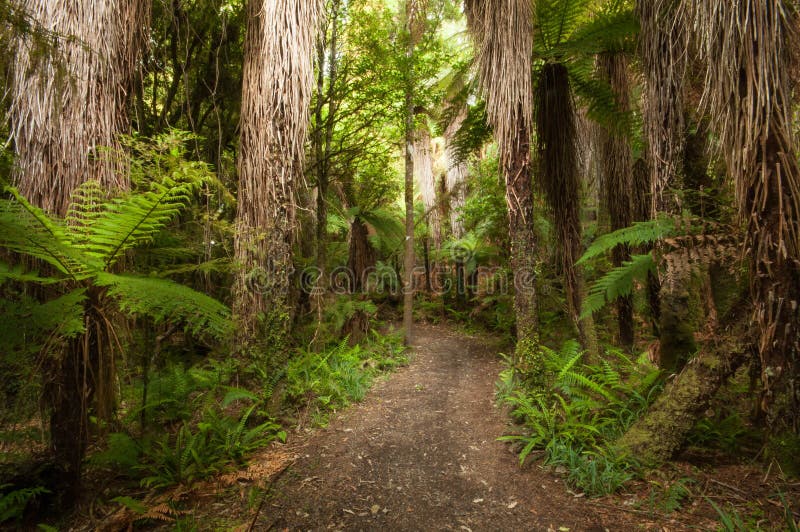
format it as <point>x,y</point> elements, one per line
<point>663,45</point>
<point>616,170</point>
<point>503,35</point>
<point>559,176</point>
<point>748,46</point>
<point>67,105</point>
<point>278,80</point>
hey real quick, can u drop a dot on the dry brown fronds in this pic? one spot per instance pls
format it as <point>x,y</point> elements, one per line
<point>663,46</point>
<point>559,177</point>
<point>616,176</point>
<point>67,106</point>
<point>503,35</point>
<point>749,47</point>
<point>278,82</point>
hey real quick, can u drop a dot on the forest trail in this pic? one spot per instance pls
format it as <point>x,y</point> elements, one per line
<point>421,453</point>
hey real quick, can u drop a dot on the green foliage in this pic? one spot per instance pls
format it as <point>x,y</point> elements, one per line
<point>326,381</point>
<point>723,432</point>
<point>574,422</point>
<point>618,282</point>
<point>97,232</point>
<point>667,497</point>
<point>572,33</point>
<point>730,520</point>
<point>200,447</point>
<point>14,502</point>
<point>638,234</point>
<point>621,281</point>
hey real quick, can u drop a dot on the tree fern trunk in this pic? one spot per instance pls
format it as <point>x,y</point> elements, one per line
<point>278,81</point>
<point>70,101</point>
<point>663,44</point>
<point>560,181</point>
<point>749,47</point>
<point>503,35</point>
<point>616,163</point>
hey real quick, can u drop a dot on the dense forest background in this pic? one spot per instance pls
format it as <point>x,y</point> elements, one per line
<point>221,221</point>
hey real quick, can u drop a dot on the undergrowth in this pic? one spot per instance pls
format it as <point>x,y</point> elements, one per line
<point>323,382</point>
<point>572,425</point>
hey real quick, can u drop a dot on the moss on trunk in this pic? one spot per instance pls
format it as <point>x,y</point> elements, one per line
<point>656,436</point>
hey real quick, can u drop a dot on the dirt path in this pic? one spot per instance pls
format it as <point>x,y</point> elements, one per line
<point>420,453</point>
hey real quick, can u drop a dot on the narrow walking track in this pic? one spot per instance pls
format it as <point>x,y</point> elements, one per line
<point>420,453</point>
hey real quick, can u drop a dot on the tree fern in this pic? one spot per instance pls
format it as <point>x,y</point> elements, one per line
<point>134,220</point>
<point>28,230</point>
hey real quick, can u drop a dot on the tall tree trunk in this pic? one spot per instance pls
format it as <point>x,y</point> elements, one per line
<point>749,47</point>
<point>67,104</point>
<point>560,181</point>
<point>642,212</point>
<point>503,34</point>
<point>414,27</point>
<point>71,101</point>
<point>325,127</point>
<point>278,82</point>
<point>616,163</point>
<point>426,181</point>
<point>455,174</point>
<point>663,44</point>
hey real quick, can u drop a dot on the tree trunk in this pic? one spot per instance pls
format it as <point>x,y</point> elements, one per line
<point>67,104</point>
<point>426,180</point>
<point>413,32</point>
<point>503,34</point>
<point>279,47</point>
<point>616,163</point>
<point>642,212</point>
<point>456,174</point>
<point>70,102</point>
<point>663,44</point>
<point>361,258</point>
<point>656,436</point>
<point>748,47</point>
<point>560,181</point>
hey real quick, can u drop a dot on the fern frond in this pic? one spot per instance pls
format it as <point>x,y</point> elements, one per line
<point>165,300</point>
<point>636,235</point>
<point>135,220</point>
<point>556,20</point>
<point>84,208</point>
<point>617,283</point>
<point>606,32</point>
<point>28,230</point>
<point>19,274</point>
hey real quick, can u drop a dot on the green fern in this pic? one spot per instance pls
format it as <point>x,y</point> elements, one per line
<point>14,502</point>
<point>638,234</point>
<point>86,249</point>
<point>617,283</point>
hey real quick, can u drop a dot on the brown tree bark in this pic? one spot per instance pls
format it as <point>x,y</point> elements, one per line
<point>71,102</point>
<point>663,44</point>
<point>616,164</point>
<point>278,82</point>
